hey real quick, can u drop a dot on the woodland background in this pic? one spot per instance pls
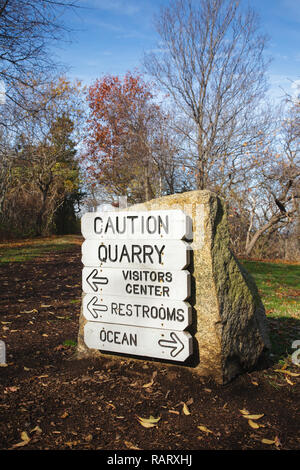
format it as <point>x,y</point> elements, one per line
<point>198,116</point>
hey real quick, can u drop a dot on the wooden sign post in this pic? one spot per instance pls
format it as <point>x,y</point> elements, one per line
<point>135,283</point>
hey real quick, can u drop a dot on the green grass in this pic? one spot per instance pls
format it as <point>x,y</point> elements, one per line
<point>29,249</point>
<point>279,287</point>
<point>70,342</point>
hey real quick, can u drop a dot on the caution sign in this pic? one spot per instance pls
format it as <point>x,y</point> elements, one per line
<point>137,284</point>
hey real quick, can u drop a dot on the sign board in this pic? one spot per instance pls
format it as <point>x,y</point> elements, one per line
<point>162,224</point>
<point>143,312</point>
<point>143,254</point>
<point>135,283</point>
<point>133,340</point>
<point>141,283</point>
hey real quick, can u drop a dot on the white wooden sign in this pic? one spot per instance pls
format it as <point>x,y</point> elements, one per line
<point>142,312</point>
<point>141,283</point>
<point>172,254</point>
<point>160,224</point>
<point>135,282</point>
<point>133,340</point>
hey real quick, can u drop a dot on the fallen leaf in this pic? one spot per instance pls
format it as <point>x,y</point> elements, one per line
<point>64,415</point>
<point>129,445</point>
<point>148,385</point>
<point>134,384</point>
<point>190,401</point>
<point>293,374</point>
<point>148,422</point>
<point>37,429</point>
<point>147,425</point>
<point>267,441</point>
<point>25,440</point>
<point>289,381</point>
<point>20,444</point>
<point>277,442</point>
<point>205,429</point>
<point>253,424</point>
<point>185,410</point>
<point>174,411</point>
<point>72,443</point>
<point>24,436</point>
<point>244,412</point>
<point>253,416</point>
<point>111,405</point>
<point>12,389</point>
<point>152,380</point>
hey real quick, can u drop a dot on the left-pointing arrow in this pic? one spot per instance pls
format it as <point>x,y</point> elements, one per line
<point>93,280</point>
<point>175,344</point>
<point>94,308</point>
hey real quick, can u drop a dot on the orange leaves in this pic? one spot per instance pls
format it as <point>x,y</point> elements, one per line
<point>118,129</point>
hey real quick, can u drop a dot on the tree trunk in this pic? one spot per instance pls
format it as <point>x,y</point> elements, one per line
<point>251,243</point>
<point>40,216</point>
<point>200,178</point>
<point>147,185</point>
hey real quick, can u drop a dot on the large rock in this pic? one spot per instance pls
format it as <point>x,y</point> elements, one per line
<point>229,322</point>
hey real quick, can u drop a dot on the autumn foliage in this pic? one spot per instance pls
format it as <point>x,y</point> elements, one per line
<point>119,141</point>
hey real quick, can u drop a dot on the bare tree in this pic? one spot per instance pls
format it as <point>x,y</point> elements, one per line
<point>267,204</point>
<point>27,29</point>
<point>212,65</point>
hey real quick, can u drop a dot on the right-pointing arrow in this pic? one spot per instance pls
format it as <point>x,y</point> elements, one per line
<point>94,308</point>
<point>93,280</point>
<point>175,344</point>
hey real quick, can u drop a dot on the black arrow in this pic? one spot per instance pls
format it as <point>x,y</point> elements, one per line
<point>93,280</point>
<point>94,308</point>
<point>175,344</point>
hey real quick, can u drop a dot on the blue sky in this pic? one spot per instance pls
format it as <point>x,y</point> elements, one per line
<point>111,36</point>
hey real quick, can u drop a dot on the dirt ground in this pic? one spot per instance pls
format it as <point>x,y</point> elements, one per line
<point>51,400</point>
